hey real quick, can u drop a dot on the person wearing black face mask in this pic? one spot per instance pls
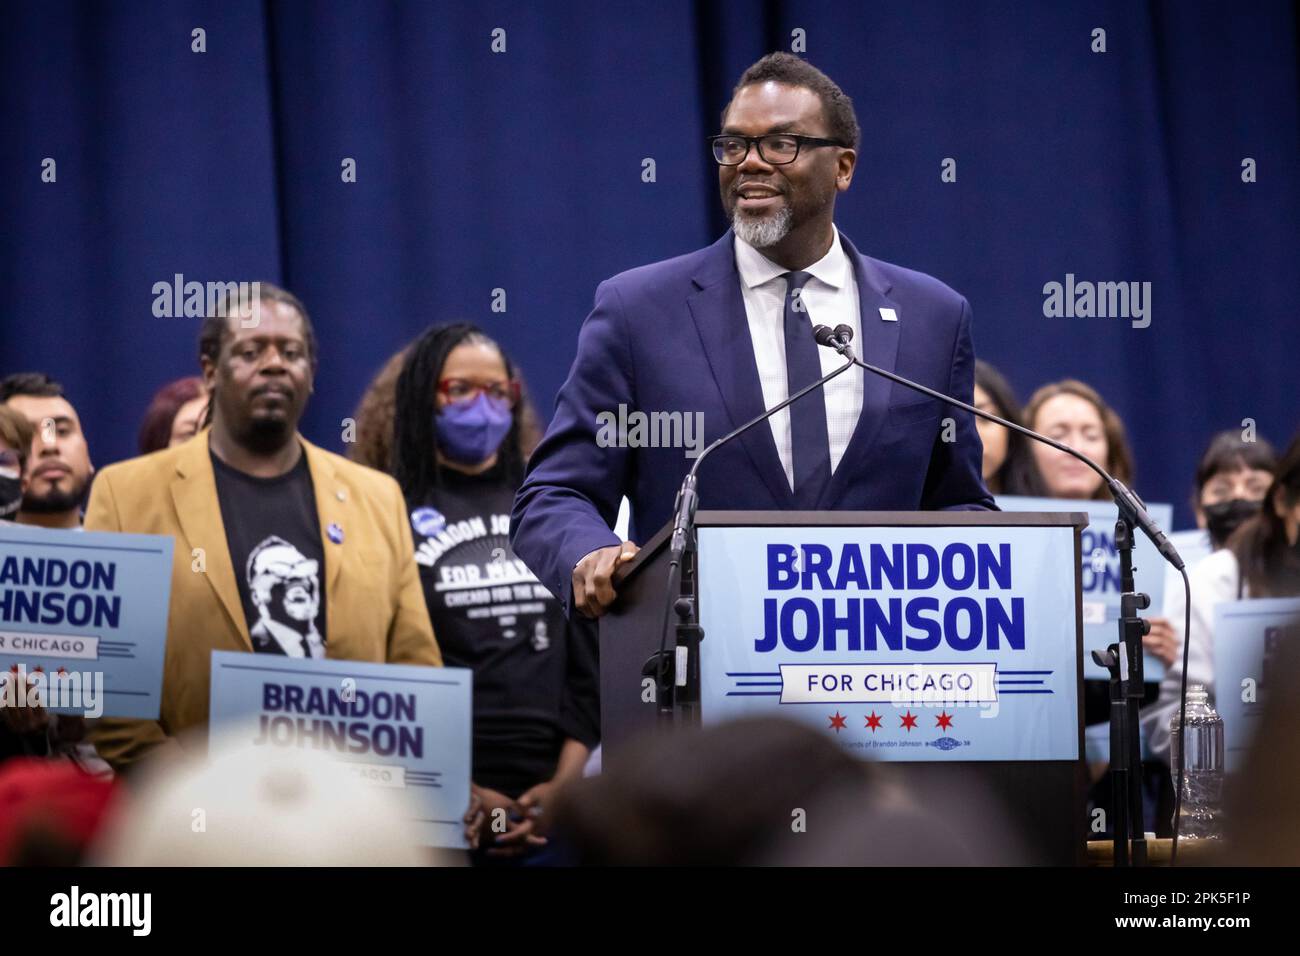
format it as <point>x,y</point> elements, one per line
<point>461,430</point>
<point>1231,480</point>
<point>1259,558</point>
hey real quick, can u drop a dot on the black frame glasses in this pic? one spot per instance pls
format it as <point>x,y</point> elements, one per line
<point>716,142</point>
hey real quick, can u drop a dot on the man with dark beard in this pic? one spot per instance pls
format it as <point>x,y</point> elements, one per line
<point>720,334</point>
<point>253,508</point>
<point>58,465</point>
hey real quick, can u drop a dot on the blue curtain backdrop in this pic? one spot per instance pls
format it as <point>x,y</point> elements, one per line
<point>522,171</point>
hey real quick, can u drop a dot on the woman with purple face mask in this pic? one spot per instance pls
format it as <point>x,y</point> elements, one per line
<point>462,429</point>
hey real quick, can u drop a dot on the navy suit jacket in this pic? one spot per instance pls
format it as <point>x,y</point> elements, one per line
<point>672,336</point>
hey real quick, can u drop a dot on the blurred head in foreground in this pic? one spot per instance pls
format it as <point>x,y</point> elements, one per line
<point>769,791</point>
<point>258,806</point>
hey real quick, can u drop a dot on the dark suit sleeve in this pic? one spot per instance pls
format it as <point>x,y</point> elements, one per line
<point>954,481</point>
<point>580,707</point>
<point>569,499</point>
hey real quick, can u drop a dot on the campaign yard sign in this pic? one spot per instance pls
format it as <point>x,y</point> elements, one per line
<point>903,643</point>
<point>83,620</point>
<point>395,725</point>
<point>1246,639</point>
<point>1101,574</point>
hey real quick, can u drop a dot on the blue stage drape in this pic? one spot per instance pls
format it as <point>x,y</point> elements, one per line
<point>522,171</point>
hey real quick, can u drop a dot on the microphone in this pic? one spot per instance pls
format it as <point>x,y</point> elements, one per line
<point>687,502</point>
<point>1130,505</point>
<point>687,499</point>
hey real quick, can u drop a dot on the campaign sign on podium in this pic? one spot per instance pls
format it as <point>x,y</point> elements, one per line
<point>1101,573</point>
<point>396,725</point>
<point>1246,637</point>
<point>903,643</point>
<point>83,615</point>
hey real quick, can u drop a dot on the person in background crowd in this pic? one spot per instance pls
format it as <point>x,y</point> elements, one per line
<point>373,446</point>
<point>304,552</point>
<point>1009,467</point>
<point>31,730</point>
<point>460,434</point>
<point>58,466</point>
<point>374,418</point>
<point>1073,413</point>
<point>1232,480</point>
<point>175,414</point>
<point>1260,560</point>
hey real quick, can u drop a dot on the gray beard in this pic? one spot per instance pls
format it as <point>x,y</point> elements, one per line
<point>762,231</point>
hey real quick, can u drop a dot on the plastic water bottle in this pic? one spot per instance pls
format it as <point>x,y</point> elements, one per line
<point>1200,815</point>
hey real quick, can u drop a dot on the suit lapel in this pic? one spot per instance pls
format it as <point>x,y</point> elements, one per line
<point>194,493</point>
<point>332,498</point>
<point>718,308</point>
<point>878,346</point>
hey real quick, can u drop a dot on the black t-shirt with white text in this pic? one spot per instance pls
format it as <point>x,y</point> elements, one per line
<point>535,682</point>
<point>273,533</point>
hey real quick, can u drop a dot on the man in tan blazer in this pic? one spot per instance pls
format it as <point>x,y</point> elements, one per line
<point>281,547</point>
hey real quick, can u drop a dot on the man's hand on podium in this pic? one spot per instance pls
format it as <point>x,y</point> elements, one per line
<point>593,577</point>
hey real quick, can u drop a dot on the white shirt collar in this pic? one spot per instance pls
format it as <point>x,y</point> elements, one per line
<point>757,269</point>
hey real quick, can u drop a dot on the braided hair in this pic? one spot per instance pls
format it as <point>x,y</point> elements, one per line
<point>414,462</point>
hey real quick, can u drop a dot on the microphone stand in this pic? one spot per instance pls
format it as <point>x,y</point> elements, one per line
<point>677,675</point>
<point>1122,660</point>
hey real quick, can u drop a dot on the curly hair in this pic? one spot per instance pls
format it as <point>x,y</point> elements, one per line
<point>790,70</point>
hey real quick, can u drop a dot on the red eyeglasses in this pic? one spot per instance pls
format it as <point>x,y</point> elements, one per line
<point>456,390</point>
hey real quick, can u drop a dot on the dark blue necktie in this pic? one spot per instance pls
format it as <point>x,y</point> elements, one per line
<point>809,444</point>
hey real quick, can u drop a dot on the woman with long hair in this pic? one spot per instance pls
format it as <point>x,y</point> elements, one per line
<point>1261,560</point>
<point>462,428</point>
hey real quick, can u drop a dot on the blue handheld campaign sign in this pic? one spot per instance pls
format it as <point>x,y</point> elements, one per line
<point>83,615</point>
<point>398,725</point>
<point>1101,576</point>
<point>904,643</point>
<point>1246,635</point>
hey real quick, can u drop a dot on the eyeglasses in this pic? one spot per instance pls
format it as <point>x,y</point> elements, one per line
<point>775,149</point>
<point>457,390</point>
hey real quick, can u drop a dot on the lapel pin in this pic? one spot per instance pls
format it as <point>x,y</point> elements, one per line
<point>888,315</point>
<point>335,533</point>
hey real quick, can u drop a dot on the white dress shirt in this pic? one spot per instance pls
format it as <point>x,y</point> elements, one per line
<point>831,298</point>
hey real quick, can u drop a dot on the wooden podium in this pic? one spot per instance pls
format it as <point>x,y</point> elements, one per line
<point>1046,798</point>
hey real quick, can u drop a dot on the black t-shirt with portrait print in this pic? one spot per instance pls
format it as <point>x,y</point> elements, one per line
<point>273,533</point>
<point>535,676</point>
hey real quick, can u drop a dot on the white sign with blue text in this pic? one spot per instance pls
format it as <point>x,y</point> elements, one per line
<point>397,725</point>
<point>83,619</point>
<point>904,643</point>
<point>1246,637</point>
<point>1101,573</point>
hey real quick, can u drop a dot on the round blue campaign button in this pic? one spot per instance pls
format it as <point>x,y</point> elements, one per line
<point>335,533</point>
<point>428,521</point>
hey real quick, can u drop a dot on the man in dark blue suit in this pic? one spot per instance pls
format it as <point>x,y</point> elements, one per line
<point>720,334</point>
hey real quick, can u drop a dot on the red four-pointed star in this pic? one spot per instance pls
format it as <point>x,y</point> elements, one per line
<point>873,722</point>
<point>837,723</point>
<point>909,722</point>
<point>943,720</point>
